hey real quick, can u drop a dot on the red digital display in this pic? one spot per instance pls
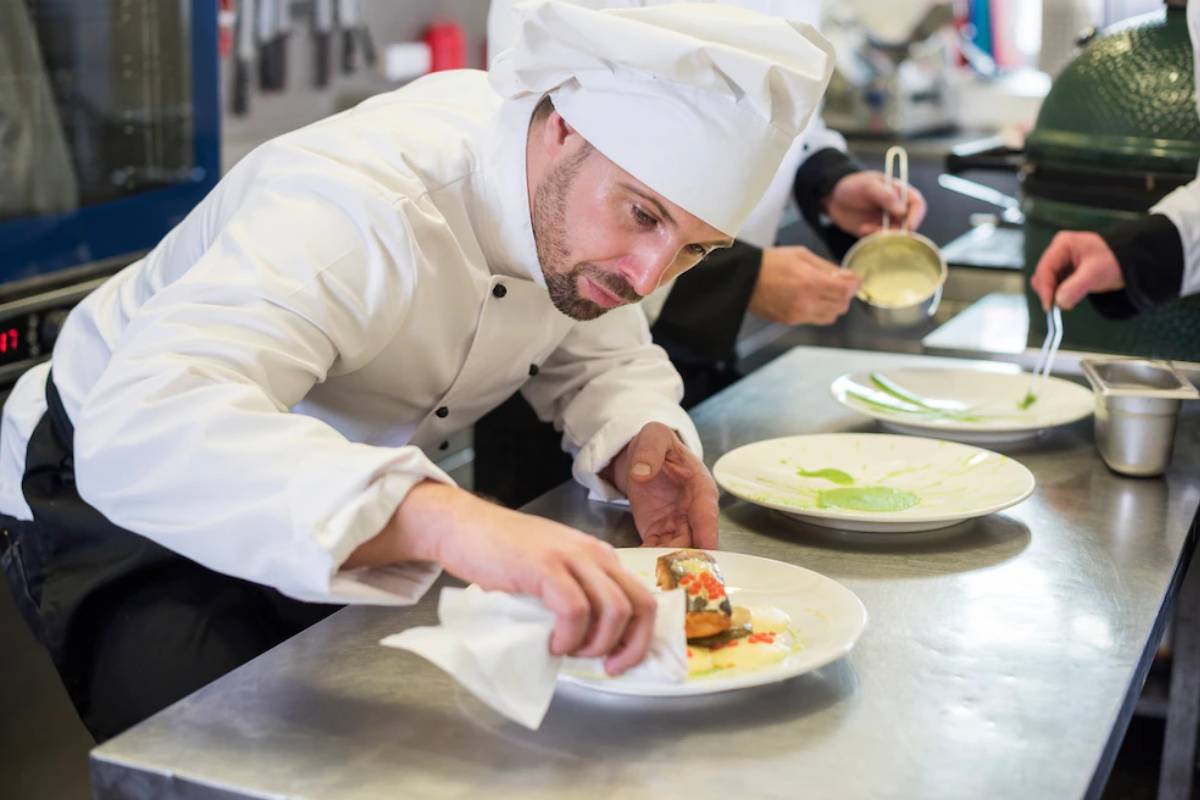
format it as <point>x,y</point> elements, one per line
<point>14,342</point>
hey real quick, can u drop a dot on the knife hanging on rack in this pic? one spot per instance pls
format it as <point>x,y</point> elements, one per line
<point>266,44</point>
<point>348,21</point>
<point>322,22</point>
<point>283,29</point>
<point>243,60</point>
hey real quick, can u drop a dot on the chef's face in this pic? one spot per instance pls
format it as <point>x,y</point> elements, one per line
<point>605,239</point>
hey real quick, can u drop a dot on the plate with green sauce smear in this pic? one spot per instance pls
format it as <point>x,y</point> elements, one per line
<point>979,405</point>
<point>874,482</point>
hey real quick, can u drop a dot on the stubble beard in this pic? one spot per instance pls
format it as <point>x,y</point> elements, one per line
<point>550,236</point>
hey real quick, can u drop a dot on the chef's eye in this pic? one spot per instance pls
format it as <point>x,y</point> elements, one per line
<point>644,219</point>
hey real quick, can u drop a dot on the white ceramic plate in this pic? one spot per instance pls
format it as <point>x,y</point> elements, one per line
<point>982,406</point>
<point>952,482</point>
<point>827,617</point>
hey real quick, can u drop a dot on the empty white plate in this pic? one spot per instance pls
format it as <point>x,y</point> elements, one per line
<point>972,405</point>
<point>874,482</point>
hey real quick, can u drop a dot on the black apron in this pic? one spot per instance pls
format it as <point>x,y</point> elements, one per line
<point>69,554</point>
<point>86,586</point>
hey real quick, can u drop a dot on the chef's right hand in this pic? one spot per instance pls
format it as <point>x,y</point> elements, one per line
<point>1076,264</point>
<point>600,608</point>
<point>797,287</point>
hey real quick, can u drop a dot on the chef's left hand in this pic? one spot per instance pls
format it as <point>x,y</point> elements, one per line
<point>671,493</point>
<point>857,203</point>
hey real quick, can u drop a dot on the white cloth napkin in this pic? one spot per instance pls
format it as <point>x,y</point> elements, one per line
<point>497,645</point>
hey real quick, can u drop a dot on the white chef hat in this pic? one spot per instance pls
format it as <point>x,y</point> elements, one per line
<point>700,102</point>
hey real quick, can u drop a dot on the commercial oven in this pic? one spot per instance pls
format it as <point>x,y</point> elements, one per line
<point>109,135</point>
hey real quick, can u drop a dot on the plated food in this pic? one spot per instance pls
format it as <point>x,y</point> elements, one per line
<point>970,405</point>
<point>783,621</point>
<point>708,611</point>
<point>720,635</point>
<point>873,482</point>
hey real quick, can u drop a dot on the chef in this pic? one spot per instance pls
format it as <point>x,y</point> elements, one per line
<point>235,430</point>
<point>697,318</point>
<point>1135,266</point>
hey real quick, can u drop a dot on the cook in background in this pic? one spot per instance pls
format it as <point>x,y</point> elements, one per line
<point>1131,267</point>
<point>696,318</point>
<point>242,420</point>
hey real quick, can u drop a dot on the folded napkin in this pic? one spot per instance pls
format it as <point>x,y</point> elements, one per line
<point>497,645</point>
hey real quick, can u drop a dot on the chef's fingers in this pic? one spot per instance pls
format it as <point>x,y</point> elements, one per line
<point>839,289</point>
<point>813,260</point>
<point>916,209</point>
<point>839,293</point>
<point>887,197</point>
<point>702,518</point>
<point>635,639</point>
<point>827,277</point>
<point>1056,262</point>
<point>611,609</point>
<point>565,598</point>
<point>650,447</point>
<point>673,532</point>
<point>1078,285</point>
<point>696,522</point>
<point>702,511</point>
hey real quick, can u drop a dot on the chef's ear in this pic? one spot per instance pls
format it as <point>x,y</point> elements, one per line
<point>556,132</point>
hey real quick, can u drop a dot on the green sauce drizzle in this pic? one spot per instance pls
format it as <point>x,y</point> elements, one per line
<point>867,498</point>
<point>829,474</point>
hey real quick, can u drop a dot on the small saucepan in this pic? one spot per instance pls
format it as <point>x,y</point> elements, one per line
<point>902,272</point>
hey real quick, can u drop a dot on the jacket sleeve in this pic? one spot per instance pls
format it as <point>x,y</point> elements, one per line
<point>1160,255</point>
<point>1151,256</point>
<point>815,179</point>
<point>1182,208</point>
<point>187,438</point>
<point>601,386</point>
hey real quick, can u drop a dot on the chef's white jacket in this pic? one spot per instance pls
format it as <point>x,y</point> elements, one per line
<point>260,391</point>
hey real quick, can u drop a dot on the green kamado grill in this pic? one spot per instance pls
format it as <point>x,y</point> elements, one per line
<point>1117,132</point>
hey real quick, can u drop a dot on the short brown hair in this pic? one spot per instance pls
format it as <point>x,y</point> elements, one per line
<point>543,108</point>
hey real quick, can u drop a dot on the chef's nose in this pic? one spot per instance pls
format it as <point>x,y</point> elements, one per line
<point>644,270</point>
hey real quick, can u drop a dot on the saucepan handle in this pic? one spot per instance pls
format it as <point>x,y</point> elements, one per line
<point>896,156</point>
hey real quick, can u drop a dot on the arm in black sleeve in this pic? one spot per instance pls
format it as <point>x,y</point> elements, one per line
<point>1150,253</point>
<point>815,180</point>
<point>704,311</point>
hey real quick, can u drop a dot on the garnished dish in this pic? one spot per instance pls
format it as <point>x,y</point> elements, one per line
<point>720,635</point>
<point>695,571</point>
<point>762,621</point>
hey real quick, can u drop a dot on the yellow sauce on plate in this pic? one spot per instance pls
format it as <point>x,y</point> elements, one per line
<point>771,640</point>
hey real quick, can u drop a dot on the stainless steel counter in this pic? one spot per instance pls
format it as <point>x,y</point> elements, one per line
<point>1001,660</point>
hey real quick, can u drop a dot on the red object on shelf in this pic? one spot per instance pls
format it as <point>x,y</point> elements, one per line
<point>447,46</point>
<point>226,18</point>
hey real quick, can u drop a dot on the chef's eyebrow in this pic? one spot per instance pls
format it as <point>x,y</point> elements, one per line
<point>666,215</point>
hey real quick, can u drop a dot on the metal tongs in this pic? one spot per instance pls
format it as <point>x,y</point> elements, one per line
<point>1054,336</point>
<point>896,154</point>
